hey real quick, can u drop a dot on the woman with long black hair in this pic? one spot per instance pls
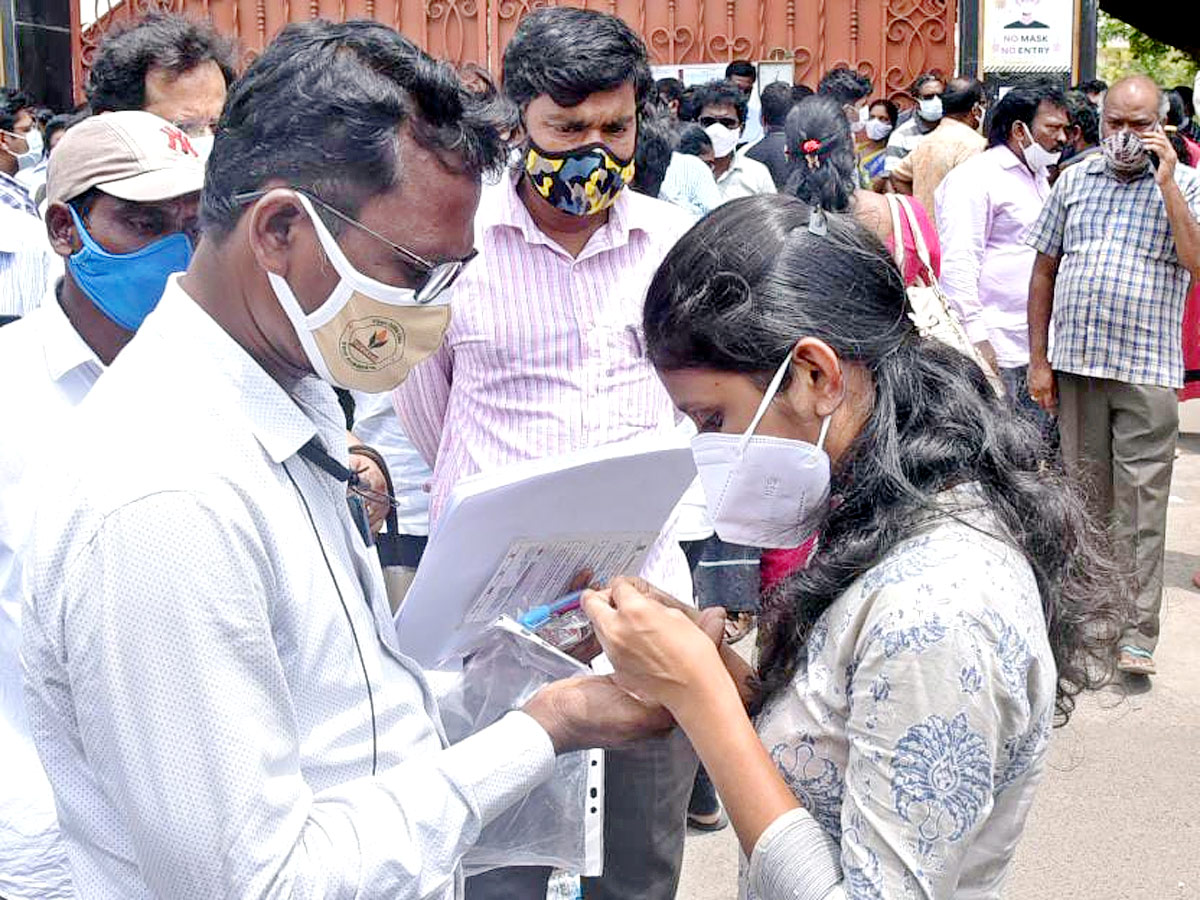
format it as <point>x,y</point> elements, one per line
<point>958,600</point>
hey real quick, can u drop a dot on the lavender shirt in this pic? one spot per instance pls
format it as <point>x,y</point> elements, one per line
<point>985,208</point>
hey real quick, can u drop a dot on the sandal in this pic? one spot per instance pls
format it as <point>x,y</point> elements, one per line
<point>738,625</point>
<point>1135,661</point>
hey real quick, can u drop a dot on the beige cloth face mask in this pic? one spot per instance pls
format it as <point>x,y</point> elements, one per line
<point>367,335</point>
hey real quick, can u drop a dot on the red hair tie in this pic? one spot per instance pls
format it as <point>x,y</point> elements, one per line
<point>811,146</point>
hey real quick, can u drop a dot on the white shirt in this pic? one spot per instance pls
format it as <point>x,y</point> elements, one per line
<point>377,424</point>
<point>689,184</point>
<point>744,178</point>
<point>916,727</point>
<point>193,684</point>
<point>46,369</point>
<point>28,265</point>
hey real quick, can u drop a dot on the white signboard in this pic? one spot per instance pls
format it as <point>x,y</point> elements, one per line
<point>1028,35</point>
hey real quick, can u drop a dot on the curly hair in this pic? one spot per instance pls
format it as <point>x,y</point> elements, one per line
<point>736,294</point>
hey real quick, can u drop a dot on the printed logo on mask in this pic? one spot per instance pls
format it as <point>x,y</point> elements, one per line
<point>372,344</point>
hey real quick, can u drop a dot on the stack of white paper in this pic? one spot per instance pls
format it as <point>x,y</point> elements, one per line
<point>512,539</point>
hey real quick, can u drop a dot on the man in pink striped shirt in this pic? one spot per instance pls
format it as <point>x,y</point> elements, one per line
<point>544,357</point>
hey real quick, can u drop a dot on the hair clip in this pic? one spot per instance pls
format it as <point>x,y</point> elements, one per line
<point>811,148</point>
<point>817,223</point>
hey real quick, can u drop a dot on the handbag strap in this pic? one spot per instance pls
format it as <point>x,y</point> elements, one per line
<point>918,240</point>
<point>897,232</point>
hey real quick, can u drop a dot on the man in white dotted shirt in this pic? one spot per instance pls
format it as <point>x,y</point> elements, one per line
<point>210,663</point>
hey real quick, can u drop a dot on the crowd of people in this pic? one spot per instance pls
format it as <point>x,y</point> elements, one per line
<point>941,536</point>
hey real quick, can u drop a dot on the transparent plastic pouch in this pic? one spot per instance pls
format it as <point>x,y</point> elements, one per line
<point>559,823</point>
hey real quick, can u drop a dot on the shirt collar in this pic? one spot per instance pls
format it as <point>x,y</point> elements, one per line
<point>509,211</point>
<point>277,419</point>
<point>65,348</point>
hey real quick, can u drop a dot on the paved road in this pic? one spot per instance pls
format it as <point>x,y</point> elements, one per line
<point>1117,815</point>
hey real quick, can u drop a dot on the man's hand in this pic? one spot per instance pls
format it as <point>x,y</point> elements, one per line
<point>988,352</point>
<point>1157,143</point>
<point>1042,387</point>
<point>592,711</point>
<point>377,510</point>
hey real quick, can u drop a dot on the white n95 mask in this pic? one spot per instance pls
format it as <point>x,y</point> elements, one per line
<point>762,491</point>
<point>367,335</point>
<point>724,140</point>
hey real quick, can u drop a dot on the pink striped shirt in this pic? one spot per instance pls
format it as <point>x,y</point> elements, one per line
<point>544,352</point>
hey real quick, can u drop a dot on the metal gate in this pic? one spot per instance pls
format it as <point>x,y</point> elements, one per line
<point>890,41</point>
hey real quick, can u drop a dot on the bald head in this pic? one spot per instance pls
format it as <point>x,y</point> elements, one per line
<point>1134,103</point>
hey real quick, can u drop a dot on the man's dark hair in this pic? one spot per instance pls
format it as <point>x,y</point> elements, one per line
<point>893,111</point>
<point>1188,97</point>
<point>1083,114</point>
<point>12,104</point>
<point>776,99</point>
<point>844,85</point>
<point>693,140</point>
<point>800,92</point>
<point>742,69</point>
<point>64,122</point>
<point>723,93</point>
<point>669,89</point>
<point>689,104</point>
<point>923,79</point>
<point>320,109</point>
<point>1021,105</point>
<point>1092,86</point>
<point>961,96</point>
<point>117,80</point>
<point>653,154</point>
<point>570,54</point>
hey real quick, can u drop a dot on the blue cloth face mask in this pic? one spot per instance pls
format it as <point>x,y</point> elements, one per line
<point>126,286</point>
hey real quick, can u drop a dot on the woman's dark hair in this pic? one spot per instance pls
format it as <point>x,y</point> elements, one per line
<point>1082,114</point>
<point>801,92</point>
<point>844,85</point>
<point>739,290</point>
<point>117,80</point>
<point>722,93</point>
<point>1176,113</point>
<point>570,54</point>
<point>829,181</point>
<point>320,109</point>
<point>1021,105</point>
<point>669,89</point>
<point>893,111</point>
<point>693,140</point>
<point>1187,96</point>
<point>653,153</point>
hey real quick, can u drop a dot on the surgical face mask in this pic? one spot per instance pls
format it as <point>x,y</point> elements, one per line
<point>582,181</point>
<point>878,130</point>
<point>366,335</point>
<point>763,491</point>
<point>33,152</point>
<point>724,139</point>
<point>1125,155</point>
<point>1037,157</point>
<point>203,145</point>
<point>126,286</point>
<point>930,108</point>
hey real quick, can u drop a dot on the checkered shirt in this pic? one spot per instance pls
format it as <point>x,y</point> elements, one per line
<point>1119,296</point>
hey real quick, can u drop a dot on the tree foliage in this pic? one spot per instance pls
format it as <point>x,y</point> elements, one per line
<point>1124,50</point>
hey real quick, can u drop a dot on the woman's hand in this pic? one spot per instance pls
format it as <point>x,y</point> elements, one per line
<point>659,653</point>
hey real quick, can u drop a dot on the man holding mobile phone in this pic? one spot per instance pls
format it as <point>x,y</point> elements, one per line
<point>1118,245</point>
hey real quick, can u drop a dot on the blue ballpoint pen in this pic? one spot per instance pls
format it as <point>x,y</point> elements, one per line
<point>540,615</point>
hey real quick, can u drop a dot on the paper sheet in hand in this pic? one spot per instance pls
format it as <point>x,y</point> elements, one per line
<point>523,532</point>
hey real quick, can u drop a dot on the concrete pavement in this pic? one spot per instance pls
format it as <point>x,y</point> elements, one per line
<point>1117,813</point>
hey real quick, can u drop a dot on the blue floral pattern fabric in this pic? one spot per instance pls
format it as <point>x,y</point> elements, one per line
<point>915,729</point>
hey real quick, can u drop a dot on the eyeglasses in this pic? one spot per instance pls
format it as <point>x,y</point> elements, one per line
<point>437,277</point>
<point>728,121</point>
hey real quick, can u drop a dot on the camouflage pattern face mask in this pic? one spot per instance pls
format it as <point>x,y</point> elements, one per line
<point>581,181</point>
